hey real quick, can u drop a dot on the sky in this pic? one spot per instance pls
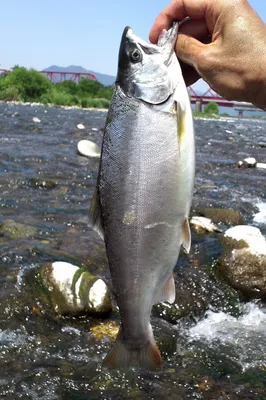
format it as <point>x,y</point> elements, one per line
<point>38,34</point>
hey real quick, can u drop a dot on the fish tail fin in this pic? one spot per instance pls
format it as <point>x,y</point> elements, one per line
<point>121,356</point>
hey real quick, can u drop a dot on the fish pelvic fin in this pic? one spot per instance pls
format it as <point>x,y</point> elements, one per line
<point>186,236</point>
<point>95,215</point>
<point>167,293</point>
<point>121,356</point>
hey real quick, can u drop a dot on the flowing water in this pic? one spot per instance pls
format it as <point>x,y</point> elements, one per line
<point>216,350</point>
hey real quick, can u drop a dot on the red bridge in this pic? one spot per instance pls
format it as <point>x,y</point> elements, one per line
<point>57,77</point>
<point>61,76</point>
<point>196,98</point>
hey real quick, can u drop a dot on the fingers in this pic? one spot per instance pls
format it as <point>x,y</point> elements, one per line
<point>177,11</point>
<point>190,75</point>
<point>195,28</point>
<point>189,49</point>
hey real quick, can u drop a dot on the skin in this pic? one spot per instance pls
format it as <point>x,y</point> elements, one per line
<point>223,42</point>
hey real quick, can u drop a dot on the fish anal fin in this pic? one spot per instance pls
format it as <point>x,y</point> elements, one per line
<point>186,236</point>
<point>122,356</point>
<point>167,293</point>
<point>95,215</point>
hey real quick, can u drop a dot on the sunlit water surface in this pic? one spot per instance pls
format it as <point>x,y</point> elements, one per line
<point>217,352</point>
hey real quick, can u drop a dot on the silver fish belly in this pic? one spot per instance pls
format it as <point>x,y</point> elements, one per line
<point>140,208</point>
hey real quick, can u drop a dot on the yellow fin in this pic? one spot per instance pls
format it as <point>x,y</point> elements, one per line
<point>181,126</point>
<point>186,236</point>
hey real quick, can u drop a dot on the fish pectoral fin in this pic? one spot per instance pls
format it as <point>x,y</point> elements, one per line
<point>167,293</point>
<point>121,356</point>
<point>95,215</point>
<point>181,125</point>
<point>186,236</point>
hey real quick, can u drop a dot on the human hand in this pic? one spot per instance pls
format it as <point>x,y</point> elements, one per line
<point>224,42</point>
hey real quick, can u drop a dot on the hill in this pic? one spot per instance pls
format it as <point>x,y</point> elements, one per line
<point>106,80</point>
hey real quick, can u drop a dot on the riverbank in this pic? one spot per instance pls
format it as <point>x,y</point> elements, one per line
<point>36,104</point>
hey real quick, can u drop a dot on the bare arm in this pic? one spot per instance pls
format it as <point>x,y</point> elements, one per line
<point>224,42</point>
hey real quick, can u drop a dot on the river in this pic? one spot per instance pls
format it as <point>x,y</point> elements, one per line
<point>216,351</point>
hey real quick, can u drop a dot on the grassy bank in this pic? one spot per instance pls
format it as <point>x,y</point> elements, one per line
<point>31,86</point>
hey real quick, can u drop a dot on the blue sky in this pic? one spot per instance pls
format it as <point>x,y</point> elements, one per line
<point>81,32</point>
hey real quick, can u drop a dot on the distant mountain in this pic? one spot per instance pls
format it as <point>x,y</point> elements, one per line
<point>102,78</point>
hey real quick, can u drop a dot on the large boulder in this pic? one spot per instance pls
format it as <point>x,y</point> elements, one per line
<point>72,290</point>
<point>221,215</point>
<point>243,265</point>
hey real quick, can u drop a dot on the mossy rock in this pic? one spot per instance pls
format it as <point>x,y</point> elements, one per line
<point>71,290</point>
<point>16,230</point>
<point>245,271</point>
<point>42,183</point>
<point>220,215</point>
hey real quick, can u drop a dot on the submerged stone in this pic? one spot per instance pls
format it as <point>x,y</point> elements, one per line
<point>42,183</point>
<point>16,230</point>
<point>217,215</point>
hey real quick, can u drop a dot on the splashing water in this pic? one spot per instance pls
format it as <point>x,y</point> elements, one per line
<point>247,333</point>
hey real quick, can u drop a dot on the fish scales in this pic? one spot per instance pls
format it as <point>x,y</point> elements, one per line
<point>143,210</point>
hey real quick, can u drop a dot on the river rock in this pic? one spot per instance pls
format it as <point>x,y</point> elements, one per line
<point>202,224</point>
<point>88,149</point>
<point>249,162</point>
<point>243,265</point>
<point>42,183</point>
<point>37,120</point>
<point>231,217</point>
<point>242,236</point>
<point>80,126</point>
<point>16,230</point>
<point>261,165</point>
<point>73,290</point>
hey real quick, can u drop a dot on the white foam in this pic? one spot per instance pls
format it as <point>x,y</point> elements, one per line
<point>260,217</point>
<point>247,333</point>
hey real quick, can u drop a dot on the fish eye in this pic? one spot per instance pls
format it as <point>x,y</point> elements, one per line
<point>136,56</point>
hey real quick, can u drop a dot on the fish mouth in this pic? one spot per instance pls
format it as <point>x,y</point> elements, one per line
<point>129,35</point>
<point>165,45</point>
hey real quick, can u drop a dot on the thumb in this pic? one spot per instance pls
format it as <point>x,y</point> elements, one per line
<point>189,49</point>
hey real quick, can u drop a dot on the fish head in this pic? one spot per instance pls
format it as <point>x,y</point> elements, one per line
<point>146,71</point>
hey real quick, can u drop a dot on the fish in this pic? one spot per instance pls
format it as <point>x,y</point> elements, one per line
<point>144,189</point>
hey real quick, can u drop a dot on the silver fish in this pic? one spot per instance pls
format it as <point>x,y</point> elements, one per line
<point>144,189</point>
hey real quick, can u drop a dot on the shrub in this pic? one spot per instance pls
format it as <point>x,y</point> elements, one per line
<point>67,86</point>
<point>9,94</point>
<point>30,84</point>
<point>88,87</point>
<point>98,103</point>
<point>211,108</point>
<point>84,103</point>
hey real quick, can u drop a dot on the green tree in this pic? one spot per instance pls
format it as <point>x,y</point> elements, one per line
<point>211,108</point>
<point>88,87</point>
<point>30,84</point>
<point>67,86</point>
<point>105,92</point>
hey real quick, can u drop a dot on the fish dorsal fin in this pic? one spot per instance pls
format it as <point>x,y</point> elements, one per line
<point>186,236</point>
<point>167,293</point>
<point>95,215</point>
